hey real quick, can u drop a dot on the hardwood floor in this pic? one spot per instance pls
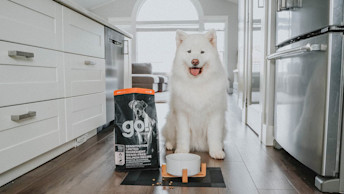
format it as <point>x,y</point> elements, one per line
<point>249,167</point>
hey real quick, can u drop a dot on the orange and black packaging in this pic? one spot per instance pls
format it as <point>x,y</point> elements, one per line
<point>136,133</point>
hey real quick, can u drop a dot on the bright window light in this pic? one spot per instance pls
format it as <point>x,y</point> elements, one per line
<point>166,26</point>
<point>220,34</point>
<point>156,26</point>
<point>167,10</point>
<point>157,48</point>
<point>215,26</point>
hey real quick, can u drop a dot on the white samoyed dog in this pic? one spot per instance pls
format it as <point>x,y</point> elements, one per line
<point>198,103</point>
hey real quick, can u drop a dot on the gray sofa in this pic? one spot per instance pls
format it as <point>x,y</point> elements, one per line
<point>143,77</point>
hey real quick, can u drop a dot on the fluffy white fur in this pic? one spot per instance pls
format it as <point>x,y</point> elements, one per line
<point>196,120</point>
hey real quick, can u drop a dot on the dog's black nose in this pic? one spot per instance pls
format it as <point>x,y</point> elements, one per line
<point>195,62</point>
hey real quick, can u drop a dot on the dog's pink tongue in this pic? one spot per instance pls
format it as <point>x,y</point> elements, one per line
<point>195,71</point>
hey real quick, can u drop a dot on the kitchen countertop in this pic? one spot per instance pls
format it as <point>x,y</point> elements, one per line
<point>74,6</point>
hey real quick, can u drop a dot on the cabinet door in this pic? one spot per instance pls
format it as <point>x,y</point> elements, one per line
<point>29,130</point>
<point>32,22</point>
<point>84,113</point>
<point>84,75</point>
<point>29,74</point>
<point>82,35</point>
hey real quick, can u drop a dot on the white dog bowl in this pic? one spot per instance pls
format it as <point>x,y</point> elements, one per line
<point>175,163</point>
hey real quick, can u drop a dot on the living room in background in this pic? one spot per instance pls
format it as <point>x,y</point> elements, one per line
<point>156,26</point>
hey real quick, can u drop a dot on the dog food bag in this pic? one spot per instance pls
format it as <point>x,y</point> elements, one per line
<point>136,133</point>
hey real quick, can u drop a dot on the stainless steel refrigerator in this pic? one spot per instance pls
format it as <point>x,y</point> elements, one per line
<point>309,83</point>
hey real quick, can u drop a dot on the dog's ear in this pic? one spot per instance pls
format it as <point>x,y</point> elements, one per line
<point>180,37</point>
<point>131,104</point>
<point>211,36</point>
<point>144,104</point>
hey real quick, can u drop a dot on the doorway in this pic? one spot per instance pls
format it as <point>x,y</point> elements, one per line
<point>255,64</point>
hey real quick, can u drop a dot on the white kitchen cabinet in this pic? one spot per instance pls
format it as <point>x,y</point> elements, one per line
<point>52,82</point>
<point>31,22</point>
<point>84,75</point>
<point>22,139</point>
<point>84,113</point>
<point>37,77</point>
<point>82,35</point>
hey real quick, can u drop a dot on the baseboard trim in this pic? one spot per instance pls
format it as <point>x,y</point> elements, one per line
<point>20,170</point>
<point>267,135</point>
<point>83,138</point>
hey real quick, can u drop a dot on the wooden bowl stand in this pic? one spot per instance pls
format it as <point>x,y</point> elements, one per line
<point>185,173</point>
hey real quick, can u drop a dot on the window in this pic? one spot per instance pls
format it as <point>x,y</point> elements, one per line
<point>156,25</point>
<point>220,33</point>
<point>157,48</point>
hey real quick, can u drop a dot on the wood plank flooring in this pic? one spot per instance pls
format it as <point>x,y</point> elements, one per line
<point>249,167</point>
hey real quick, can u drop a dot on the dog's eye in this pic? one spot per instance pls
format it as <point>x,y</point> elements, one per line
<point>189,51</point>
<point>202,52</point>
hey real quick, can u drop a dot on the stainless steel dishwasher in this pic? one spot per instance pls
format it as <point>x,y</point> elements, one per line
<point>114,60</point>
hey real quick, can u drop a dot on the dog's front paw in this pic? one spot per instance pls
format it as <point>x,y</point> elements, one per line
<point>169,145</point>
<point>217,154</point>
<point>181,150</point>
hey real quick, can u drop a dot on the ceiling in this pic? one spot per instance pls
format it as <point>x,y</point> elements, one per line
<point>92,4</point>
<point>233,1</point>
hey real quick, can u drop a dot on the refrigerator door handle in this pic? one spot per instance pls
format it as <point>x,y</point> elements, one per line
<point>297,51</point>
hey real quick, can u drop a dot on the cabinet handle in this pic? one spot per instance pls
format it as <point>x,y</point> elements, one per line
<point>20,54</point>
<point>30,114</point>
<point>117,43</point>
<point>90,63</point>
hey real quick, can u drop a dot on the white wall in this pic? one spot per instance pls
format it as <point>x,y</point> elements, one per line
<point>217,7</point>
<point>241,54</point>
<point>230,10</point>
<point>122,11</point>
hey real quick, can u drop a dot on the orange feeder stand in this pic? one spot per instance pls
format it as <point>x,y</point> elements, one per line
<point>185,173</point>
